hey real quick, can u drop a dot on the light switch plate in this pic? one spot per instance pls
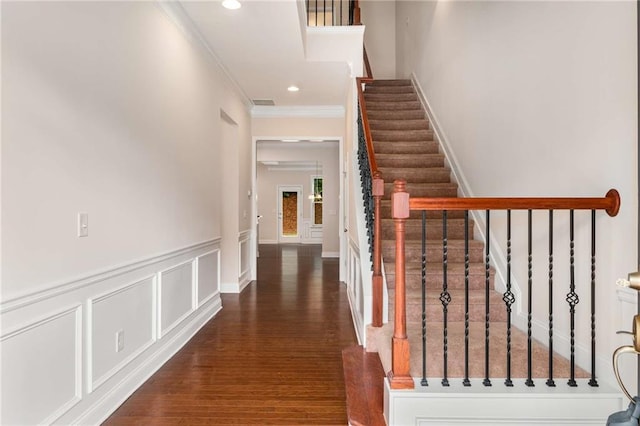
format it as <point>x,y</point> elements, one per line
<point>83,224</point>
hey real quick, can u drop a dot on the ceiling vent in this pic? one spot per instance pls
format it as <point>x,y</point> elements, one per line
<point>263,102</point>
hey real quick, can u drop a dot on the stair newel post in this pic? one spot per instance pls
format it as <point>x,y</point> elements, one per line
<point>399,376</point>
<point>378,192</point>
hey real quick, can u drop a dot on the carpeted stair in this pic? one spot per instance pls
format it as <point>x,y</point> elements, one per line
<point>406,148</point>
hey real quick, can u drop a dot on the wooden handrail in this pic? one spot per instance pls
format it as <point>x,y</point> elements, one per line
<point>402,204</point>
<point>367,64</point>
<point>609,203</point>
<point>365,123</point>
<point>377,192</point>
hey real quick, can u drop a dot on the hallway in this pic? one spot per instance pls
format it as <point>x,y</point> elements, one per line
<point>271,356</point>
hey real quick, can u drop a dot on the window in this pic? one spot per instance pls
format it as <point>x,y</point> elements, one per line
<point>316,200</point>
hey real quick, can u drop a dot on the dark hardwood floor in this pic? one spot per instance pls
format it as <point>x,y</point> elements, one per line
<point>271,356</point>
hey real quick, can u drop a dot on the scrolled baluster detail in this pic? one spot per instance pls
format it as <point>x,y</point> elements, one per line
<point>572,299</point>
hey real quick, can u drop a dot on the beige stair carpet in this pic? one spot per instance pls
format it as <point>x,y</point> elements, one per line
<point>406,148</point>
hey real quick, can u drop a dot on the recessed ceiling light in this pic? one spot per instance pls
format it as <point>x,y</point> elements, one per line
<point>293,88</point>
<point>231,4</point>
<point>290,140</point>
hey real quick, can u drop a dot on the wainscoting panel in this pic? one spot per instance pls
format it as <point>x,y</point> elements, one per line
<point>208,276</point>
<point>130,311</point>
<point>175,295</point>
<point>244,251</point>
<point>42,369</point>
<point>59,356</point>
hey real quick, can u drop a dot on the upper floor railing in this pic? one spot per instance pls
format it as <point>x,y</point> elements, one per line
<point>329,13</point>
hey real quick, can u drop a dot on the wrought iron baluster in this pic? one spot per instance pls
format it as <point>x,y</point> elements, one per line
<point>529,381</point>
<point>487,279</point>
<point>324,13</point>
<point>466,381</point>
<point>424,382</point>
<point>572,300</point>
<point>508,299</point>
<point>367,182</point>
<point>550,381</point>
<point>593,382</point>
<point>445,298</point>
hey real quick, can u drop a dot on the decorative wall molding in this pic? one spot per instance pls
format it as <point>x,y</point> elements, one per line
<point>354,286</point>
<point>10,413</point>
<point>65,286</point>
<point>163,329</point>
<point>92,376</point>
<point>216,291</point>
<point>101,409</point>
<point>93,382</point>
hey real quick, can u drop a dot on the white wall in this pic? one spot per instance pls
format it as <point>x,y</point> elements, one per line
<point>379,18</point>
<point>107,109</point>
<point>539,99</point>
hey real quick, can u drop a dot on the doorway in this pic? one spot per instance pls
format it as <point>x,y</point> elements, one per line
<point>289,213</point>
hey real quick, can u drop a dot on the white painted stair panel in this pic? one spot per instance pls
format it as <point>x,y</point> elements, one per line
<point>499,405</point>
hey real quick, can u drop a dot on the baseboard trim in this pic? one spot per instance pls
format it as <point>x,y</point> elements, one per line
<point>105,406</point>
<point>330,254</point>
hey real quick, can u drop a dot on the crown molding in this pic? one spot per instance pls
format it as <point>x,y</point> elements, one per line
<point>176,14</point>
<point>311,111</point>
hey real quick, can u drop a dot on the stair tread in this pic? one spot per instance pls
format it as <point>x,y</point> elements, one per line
<point>455,333</point>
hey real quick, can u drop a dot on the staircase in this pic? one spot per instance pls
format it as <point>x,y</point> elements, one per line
<point>406,148</point>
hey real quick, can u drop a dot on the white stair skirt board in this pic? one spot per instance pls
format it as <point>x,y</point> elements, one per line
<point>499,405</point>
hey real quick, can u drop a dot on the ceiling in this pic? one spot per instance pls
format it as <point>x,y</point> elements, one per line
<point>261,46</point>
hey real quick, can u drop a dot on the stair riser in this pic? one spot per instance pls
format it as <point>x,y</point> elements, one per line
<point>393,106</point>
<point>399,124</point>
<point>410,148</point>
<point>395,115</point>
<point>390,97</point>
<point>413,280</point>
<point>431,175</point>
<point>388,89</point>
<point>434,254</point>
<point>390,160</point>
<point>401,82</point>
<point>425,191</point>
<point>455,312</point>
<point>401,135</point>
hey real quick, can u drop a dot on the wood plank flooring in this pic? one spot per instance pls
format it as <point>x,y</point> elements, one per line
<point>271,356</point>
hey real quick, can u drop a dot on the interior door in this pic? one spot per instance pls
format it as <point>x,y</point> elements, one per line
<point>289,213</point>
